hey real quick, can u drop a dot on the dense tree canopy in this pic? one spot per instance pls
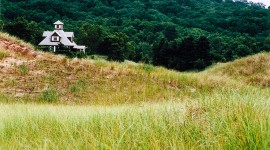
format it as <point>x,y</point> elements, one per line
<point>222,30</point>
<point>26,30</point>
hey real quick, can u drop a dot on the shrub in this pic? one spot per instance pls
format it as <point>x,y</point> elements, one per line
<point>74,88</point>
<point>148,68</point>
<point>50,95</point>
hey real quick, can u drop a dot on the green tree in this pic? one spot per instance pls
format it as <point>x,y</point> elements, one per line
<point>266,44</point>
<point>24,29</point>
<point>202,54</point>
<point>91,36</point>
<point>187,53</point>
<point>227,23</point>
<point>117,47</point>
<point>144,53</point>
<point>243,50</point>
<point>160,54</point>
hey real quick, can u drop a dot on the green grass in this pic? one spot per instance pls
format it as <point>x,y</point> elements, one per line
<point>52,102</point>
<point>235,119</point>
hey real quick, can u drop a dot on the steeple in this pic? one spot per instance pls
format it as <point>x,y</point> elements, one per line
<point>58,25</point>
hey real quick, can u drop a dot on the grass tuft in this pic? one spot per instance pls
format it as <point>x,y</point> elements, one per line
<point>49,95</point>
<point>23,68</point>
<point>3,55</point>
<point>148,68</point>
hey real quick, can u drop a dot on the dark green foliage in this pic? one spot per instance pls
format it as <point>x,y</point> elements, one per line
<point>91,36</point>
<point>69,52</point>
<point>72,54</point>
<point>189,54</point>
<point>233,29</point>
<point>24,29</point>
<point>116,47</point>
<point>202,54</point>
<point>143,52</point>
<point>160,53</point>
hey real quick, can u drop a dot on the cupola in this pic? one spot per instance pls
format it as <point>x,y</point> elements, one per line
<point>58,25</point>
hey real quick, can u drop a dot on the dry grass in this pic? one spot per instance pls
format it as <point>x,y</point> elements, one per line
<point>3,54</point>
<point>86,81</point>
<point>253,70</point>
<point>129,105</point>
<point>14,40</point>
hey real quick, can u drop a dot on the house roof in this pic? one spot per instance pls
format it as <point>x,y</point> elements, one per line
<point>80,47</point>
<point>56,33</point>
<point>69,34</point>
<point>58,22</point>
<point>64,38</point>
<point>46,33</point>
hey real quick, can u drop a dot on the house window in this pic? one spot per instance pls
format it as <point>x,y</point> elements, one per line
<point>71,39</point>
<point>55,38</point>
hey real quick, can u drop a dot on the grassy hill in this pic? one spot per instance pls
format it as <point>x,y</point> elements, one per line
<point>53,102</point>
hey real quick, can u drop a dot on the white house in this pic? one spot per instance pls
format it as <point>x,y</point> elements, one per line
<point>59,36</point>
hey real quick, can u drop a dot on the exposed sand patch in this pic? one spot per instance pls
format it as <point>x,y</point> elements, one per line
<point>8,64</point>
<point>17,48</point>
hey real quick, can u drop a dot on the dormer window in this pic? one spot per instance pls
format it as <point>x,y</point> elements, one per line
<point>70,39</point>
<point>55,38</point>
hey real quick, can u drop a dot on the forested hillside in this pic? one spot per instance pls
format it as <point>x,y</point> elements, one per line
<point>179,34</point>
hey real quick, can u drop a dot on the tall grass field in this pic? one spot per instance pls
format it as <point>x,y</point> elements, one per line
<point>52,102</point>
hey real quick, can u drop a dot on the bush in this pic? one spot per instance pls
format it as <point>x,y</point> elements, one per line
<point>71,54</point>
<point>50,95</point>
<point>74,88</point>
<point>148,68</point>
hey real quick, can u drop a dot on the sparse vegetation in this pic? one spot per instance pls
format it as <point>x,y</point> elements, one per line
<point>3,55</point>
<point>23,68</point>
<point>252,70</point>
